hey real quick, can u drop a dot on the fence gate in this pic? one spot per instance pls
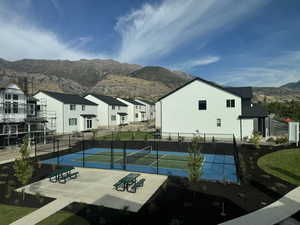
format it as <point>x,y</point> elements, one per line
<point>294,132</point>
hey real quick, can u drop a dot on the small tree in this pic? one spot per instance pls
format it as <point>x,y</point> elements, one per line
<point>22,167</point>
<point>195,160</point>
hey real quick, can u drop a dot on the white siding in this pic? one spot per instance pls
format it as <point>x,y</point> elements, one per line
<point>149,109</point>
<point>105,112</point>
<point>157,115</point>
<point>132,110</point>
<point>180,111</point>
<point>247,127</point>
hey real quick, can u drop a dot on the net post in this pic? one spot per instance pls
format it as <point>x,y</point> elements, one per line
<point>124,155</point>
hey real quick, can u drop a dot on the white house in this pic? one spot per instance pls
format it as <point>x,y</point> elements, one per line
<point>150,108</point>
<point>73,112</point>
<point>205,107</point>
<point>136,111</point>
<point>111,112</point>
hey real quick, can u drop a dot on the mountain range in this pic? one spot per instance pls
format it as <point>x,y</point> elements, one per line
<point>109,77</point>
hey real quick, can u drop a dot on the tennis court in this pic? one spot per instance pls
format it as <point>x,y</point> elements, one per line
<point>147,160</point>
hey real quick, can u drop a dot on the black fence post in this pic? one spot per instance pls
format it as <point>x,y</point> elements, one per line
<point>204,137</point>
<point>54,140</point>
<point>83,152</point>
<point>124,155</point>
<point>35,148</point>
<point>57,147</point>
<point>157,166</point>
<point>69,140</point>
<point>111,155</point>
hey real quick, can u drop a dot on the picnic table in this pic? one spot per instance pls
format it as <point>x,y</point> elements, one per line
<point>126,181</point>
<point>62,175</point>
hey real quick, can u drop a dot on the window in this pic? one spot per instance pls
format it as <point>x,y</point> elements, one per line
<point>136,106</point>
<point>113,107</point>
<point>202,105</point>
<point>83,107</point>
<point>15,97</point>
<point>122,118</point>
<point>31,109</point>
<point>89,124</point>
<point>113,118</point>
<point>136,115</point>
<point>72,121</point>
<point>7,107</point>
<point>230,103</point>
<point>218,122</point>
<point>8,96</point>
<point>15,107</point>
<point>72,107</point>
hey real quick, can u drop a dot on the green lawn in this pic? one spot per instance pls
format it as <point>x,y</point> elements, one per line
<point>284,164</point>
<point>137,135</point>
<point>165,161</point>
<point>9,214</point>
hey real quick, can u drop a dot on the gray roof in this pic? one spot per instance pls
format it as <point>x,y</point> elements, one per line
<point>244,92</point>
<point>69,98</point>
<point>253,110</point>
<point>132,101</point>
<point>109,100</point>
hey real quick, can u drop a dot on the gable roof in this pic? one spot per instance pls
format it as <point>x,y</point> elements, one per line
<point>68,98</point>
<point>108,100</point>
<point>229,90</point>
<point>132,101</point>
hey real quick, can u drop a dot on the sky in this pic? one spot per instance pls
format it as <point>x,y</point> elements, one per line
<point>232,42</point>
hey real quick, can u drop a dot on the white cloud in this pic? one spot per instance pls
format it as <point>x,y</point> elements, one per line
<point>155,30</point>
<point>19,39</point>
<point>196,63</point>
<point>270,72</point>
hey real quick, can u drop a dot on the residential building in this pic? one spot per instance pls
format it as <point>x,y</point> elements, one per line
<point>73,112</point>
<point>111,111</point>
<point>19,116</point>
<point>136,111</point>
<point>150,108</point>
<point>205,107</point>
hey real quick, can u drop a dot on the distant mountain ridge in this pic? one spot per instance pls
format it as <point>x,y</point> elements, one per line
<point>109,77</point>
<point>101,76</point>
<point>292,85</point>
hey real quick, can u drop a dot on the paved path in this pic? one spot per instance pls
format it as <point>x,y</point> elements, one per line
<point>273,213</point>
<point>44,212</point>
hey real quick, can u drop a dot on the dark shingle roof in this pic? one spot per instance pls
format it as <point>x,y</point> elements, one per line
<point>253,110</point>
<point>244,92</point>
<point>146,101</point>
<point>132,101</point>
<point>109,100</point>
<point>69,98</point>
<point>240,93</point>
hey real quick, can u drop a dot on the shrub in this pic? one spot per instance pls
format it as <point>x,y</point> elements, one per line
<point>195,159</point>
<point>271,139</point>
<point>255,139</point>
<point>281,140</point>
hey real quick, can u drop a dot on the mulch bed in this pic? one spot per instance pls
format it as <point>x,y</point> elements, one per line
<point>176,202</point>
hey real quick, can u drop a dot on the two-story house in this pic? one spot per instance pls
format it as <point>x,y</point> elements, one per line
<point>136,110</point>
<point>205,107</point>
<point>111,111</point>
<point>73,112</point>
<point>150,108</point>
<point>18,115</point>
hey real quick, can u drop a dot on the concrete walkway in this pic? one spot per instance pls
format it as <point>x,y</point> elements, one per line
<point>273,213</point>
<point>44,212</point>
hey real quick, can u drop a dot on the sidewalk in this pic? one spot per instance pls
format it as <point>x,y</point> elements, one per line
<point>44,212</point>
<point>273,213</point>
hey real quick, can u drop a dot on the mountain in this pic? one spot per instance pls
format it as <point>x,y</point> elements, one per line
<point>293,85</point>
<point>271,94</point>
<point>101,76</point>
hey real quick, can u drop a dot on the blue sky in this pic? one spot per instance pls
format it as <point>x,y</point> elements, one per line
<point>231,42</point>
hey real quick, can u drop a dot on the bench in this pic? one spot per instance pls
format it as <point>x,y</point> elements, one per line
<point>138,184</point>
<point>126,181</point>
<point>62,174</point>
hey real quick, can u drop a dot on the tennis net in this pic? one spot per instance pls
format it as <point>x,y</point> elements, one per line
<point>134,156</point>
